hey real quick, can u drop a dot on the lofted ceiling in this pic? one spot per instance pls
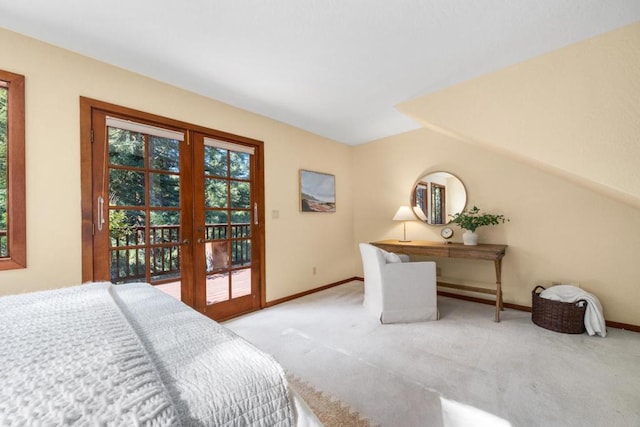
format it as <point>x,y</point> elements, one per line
<point>336,68</point>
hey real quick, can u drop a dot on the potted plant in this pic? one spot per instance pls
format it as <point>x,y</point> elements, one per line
<point>470,220</point>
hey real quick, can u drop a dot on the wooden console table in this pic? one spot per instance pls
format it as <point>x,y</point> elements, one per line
<point>493,253</point>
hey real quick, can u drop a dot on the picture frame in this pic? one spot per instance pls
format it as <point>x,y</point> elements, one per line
<point>317,191</point>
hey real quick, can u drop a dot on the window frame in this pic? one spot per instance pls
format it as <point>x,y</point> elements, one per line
<point>16,182</point>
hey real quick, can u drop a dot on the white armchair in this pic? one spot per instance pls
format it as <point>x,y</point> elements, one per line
<point>398,292</point>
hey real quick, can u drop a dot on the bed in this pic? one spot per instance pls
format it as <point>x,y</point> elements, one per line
<point>101,354</point>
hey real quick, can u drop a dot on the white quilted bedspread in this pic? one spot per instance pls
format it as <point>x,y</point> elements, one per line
<point>70,357</point>
<point>100,354</point>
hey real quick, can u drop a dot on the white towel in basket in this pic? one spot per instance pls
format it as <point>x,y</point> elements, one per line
<point>593,317</point>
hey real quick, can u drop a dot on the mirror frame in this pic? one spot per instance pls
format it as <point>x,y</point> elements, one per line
<point>412,197</point>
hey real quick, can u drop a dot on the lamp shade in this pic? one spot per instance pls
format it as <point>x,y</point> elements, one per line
<point>404,213</point>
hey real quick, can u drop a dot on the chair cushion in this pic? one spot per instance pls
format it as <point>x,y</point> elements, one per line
<point>390,257</point>
<point>404,257</point>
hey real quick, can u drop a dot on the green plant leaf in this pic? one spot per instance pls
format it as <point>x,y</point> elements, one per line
<point>472,219</point>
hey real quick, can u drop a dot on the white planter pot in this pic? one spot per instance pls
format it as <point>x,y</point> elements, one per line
<point>469,238</point>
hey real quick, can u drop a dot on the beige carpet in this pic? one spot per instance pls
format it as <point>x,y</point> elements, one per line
<point>330,411</point>
<point>393,374</point>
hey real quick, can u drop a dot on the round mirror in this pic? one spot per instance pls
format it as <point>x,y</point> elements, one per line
<point>437,196</point>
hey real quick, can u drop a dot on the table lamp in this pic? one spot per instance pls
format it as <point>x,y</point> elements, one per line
<point>405,214</point>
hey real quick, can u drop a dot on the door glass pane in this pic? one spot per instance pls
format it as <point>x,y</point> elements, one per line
<point>241,253</point>
<point>127,236</point>
<point>241,283</point>
<point>217,256</point>
<point>164,154</point>
<point>217,259</point>
<point>165,189</point>
<point>240,165</point>
<point>240,195</point>
<point>126,148</point>
<point>240,224</point>
<point>217,288</point>
<point>165,262</point>
<point>126,227</point>
<point>164,227</point>
<point>215,193</point>
<point>215,161</point>
<point>128,265</point>
<point>216,225</point>
<point>126,188</point>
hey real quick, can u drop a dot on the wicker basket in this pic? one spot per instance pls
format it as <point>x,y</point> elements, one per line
<point>565,317</point>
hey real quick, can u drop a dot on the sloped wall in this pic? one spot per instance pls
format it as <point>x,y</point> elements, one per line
<point>573,112</point>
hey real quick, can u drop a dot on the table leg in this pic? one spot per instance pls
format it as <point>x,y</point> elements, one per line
<point>499,304</point>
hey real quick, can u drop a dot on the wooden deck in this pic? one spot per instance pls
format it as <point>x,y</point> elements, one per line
<point>217,286</point>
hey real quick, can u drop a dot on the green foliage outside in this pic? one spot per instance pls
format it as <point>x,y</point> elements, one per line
<point>472,219</point>
<point>127,188</point>
<point>119,228</point>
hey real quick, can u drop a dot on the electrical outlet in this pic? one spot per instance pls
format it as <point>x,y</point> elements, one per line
<point>314,271</point>
<point>438,271</point>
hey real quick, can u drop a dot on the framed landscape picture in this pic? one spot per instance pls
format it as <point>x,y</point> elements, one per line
<point>317,192</point>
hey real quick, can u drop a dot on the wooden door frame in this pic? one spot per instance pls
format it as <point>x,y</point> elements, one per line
<point>87,106</point>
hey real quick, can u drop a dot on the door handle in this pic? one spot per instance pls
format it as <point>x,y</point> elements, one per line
<point>100,212</point>
<point>186,242</point>
<point>200,240</point>
<point>255,213</point>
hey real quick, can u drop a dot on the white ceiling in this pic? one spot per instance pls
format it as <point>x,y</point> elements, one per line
<point>332,67</point>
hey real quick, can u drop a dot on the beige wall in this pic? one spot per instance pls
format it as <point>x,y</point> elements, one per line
<point>574,111</point>
<point>55,79</point>
<point>558,231</point>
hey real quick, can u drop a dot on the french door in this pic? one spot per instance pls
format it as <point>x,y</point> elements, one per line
<point>177,208</point>
<point>225,225</point>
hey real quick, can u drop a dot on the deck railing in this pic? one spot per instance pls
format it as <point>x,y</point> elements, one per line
<point>128,258</point>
